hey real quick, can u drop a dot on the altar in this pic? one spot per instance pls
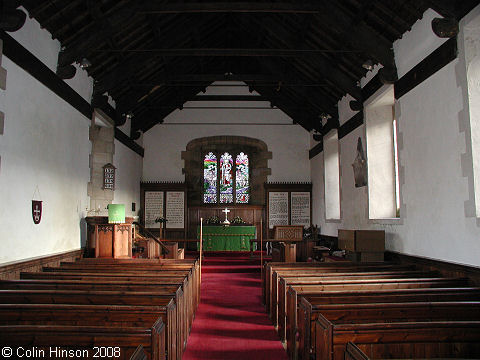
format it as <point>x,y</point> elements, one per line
<point>226,238</point>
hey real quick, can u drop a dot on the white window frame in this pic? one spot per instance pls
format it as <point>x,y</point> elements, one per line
<point>331,161</point>
<point>381,155</point>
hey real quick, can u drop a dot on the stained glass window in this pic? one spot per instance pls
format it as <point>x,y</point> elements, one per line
<point>210,179</point>
<point>241,179</point>
<point>220,178</point>
<point>226,178</point>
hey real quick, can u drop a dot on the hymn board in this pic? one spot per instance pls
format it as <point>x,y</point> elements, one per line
<point>288,204</point>
<point>164,200</point>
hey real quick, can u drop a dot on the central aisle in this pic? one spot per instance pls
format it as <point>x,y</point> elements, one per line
<point>231,322</point>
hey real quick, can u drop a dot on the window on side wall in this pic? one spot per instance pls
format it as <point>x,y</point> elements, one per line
<point>331,175</point>
<point>382,155</point>
<point>471,43</point>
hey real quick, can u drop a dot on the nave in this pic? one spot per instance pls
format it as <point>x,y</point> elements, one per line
<point>176,309</point>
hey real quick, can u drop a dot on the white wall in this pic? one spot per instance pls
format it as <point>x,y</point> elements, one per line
<point>128,175</point>
<point>433,184</point>
<point>44,155</point>
<point>331,175</point>
<point>288,143</point>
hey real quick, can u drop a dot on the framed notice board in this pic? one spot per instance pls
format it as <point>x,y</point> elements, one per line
<point>164,200</point>
<point>288,204</point>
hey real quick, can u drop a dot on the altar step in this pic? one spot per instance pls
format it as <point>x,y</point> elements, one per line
<point>231,262</point>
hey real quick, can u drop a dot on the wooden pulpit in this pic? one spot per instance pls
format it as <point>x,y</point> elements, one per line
<point>113,241</point>
<point>103,241</point>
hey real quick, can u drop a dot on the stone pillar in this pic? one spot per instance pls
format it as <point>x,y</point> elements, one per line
<point>103,148</point>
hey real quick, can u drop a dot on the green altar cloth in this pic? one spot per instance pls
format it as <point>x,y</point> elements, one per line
<point>226,238</point>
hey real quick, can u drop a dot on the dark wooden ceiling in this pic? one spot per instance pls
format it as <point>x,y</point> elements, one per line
<point>302,57</point>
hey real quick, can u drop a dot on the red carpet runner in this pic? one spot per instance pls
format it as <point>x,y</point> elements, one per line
<point>230,322</point>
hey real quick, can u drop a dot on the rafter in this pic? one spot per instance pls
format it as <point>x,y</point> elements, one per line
<point>357,34</point>
<point>452,8</point>
<point>230,7</point>
<point>132,63</point>
<point>325,68</point>
<point>229,52</point>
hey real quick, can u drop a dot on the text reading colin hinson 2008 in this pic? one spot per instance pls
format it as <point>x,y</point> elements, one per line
<point>53,352</point>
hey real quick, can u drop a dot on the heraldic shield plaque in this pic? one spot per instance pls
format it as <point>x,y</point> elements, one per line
<point>36,211</point>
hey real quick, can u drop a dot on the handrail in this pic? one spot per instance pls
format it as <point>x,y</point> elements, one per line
<point>148,233</point>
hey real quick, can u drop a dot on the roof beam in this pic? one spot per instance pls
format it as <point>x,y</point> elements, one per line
<point>227,7</point>
<point>323,65</point>
<point>149,118</point>
<point>357,34</point>
<point>132,64</point>
<point>302,116</point>
<point>452,8</point>
<point>229,98</point>
<point>311,97</point>
<point>231,52</point>
<point>222,77</point>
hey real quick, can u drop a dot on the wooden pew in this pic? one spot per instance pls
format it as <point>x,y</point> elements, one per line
<point>140,264</point>
<point>378,311</point>
<point>281,281</point>
<point>323,267</point>
<point>309,302</point>
<point>432,339</point>
<point>137,275</point>
<point>269,267</point>
<point>85,284</point>
<point>352,352</point>
<point>369,284</point>
<point>139,354</point>
<point>91,284</point>
<point>117,286</point>
<point>188,302</point>
<point>89,297</point>
<point>94,315</point>
<point>85,342</point>
<point>133,268</point>
<point>140,261</point>
<point>193,262</point>
<point>277,274</point>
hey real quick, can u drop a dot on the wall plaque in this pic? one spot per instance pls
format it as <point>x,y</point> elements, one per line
<point>300,208</point>
<point>166,200</point>
<point>109,177</point>
<point>153,208</point>
<point>175,209</point>
<point>288,204</point>
<point>278,208</point>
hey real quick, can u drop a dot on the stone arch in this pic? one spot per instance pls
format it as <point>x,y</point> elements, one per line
<point>256,150</point>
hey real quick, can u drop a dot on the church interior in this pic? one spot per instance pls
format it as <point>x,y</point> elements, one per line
<point>240,179</point>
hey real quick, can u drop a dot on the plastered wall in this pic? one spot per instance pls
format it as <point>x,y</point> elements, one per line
<point>434,176</point>
<point>288,143</point>
<point>128,175</point>
<point>44,153</point>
